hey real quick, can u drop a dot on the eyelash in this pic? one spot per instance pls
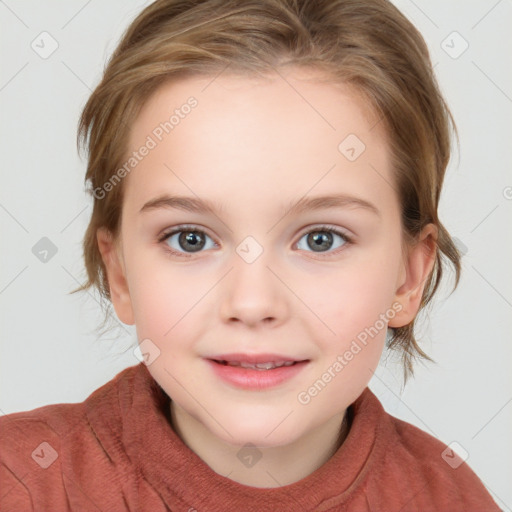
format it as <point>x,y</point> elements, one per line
<point>323,228</point>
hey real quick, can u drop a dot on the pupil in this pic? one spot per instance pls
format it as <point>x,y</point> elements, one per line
<point>320,241</point>
<point>192,239</point>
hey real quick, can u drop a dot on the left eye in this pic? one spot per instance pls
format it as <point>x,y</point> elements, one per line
<point>322,239</point>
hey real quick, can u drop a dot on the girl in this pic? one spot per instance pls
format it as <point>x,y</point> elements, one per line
<point>266,179</point>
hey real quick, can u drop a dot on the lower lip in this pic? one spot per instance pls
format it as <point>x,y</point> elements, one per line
<point>246,378</point>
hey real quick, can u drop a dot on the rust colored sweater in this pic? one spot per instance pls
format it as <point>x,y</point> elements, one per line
<point>117,451</point>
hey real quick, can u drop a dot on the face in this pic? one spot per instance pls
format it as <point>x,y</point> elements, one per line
<point>270,272</point>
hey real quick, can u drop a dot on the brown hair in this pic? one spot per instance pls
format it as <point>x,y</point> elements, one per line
<point>367,44</point>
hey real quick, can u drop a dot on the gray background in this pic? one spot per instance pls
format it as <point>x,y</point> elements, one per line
<point>50,353</point>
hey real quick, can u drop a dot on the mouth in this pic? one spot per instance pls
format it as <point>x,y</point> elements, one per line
<point>256,371</point>
<point>256,361</point>
<point>268,365</point>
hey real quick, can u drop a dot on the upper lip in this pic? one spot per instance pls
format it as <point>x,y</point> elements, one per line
<point>254,358</point>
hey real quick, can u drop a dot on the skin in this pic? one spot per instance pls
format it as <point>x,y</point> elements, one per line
<point>256,146</point>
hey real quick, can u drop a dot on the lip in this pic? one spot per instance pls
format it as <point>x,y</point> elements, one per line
<point>252,379</point>
<point>253,358</point>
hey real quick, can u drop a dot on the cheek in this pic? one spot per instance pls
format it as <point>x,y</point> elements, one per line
<point>357,303</point>
<point>163,295</point>
<point>358,312</point>
<point>161,309</point>
<point>364,285</point>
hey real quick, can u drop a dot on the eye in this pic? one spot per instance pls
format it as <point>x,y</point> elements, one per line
<point>322,238</point>
<point>186,239</point>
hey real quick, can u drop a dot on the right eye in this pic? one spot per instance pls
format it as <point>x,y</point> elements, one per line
<point>184,240</point>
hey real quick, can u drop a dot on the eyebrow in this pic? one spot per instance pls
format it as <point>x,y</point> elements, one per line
<point>196,205</point>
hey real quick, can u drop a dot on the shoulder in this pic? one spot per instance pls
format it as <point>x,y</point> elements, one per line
<point>20,431</point>
<point>445,480</point>
<point>41,448</point>
<point>30,445</point>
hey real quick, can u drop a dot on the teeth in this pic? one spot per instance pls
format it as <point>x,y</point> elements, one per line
<point>260,366</point>
<point>266,366</point>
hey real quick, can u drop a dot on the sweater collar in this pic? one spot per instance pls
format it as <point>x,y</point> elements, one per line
<point>183,480</point>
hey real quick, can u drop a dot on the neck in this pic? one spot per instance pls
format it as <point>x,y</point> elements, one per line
<point>283,465</point>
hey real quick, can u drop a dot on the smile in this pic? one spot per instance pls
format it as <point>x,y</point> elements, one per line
<point>258,373</point>
<point>271,365</point>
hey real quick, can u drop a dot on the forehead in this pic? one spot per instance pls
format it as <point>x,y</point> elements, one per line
<point>291,131</point>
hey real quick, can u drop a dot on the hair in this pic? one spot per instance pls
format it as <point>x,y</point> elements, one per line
<point>366,44</point>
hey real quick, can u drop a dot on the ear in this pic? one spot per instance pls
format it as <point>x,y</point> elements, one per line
<point>114,264</point>
<point>420,261</point>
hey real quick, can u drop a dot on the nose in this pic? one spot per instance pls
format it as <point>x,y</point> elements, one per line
<point>252,294</point>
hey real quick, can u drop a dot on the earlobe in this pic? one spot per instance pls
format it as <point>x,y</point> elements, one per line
<point>420,261</point>
<point>119,292</point>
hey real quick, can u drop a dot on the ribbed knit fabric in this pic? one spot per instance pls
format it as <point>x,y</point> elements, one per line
<point>117,451</point>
